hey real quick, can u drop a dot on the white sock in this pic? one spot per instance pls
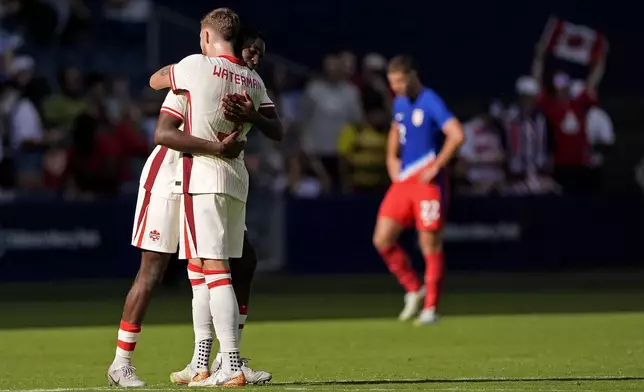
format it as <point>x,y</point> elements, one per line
<point>225,313</point>
<point>242,321</point>
<point>243,314</point>
<point>201,319</point>
<point>126,342</point>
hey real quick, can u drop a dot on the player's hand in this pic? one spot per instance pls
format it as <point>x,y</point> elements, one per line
<point>230,147</point>
<point>239,108</point>
<point>428,175</point>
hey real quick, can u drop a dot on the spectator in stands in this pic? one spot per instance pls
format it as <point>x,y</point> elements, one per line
<point>566,114</point>
<point>362,150</point>
<point>60,110</point>
<point>374,88</point>
<point>97,95</point>
<point>329,103</point>
<point>21,72</point>
<point>348,64</point>
<point>599,129</point>
<point>529,142</point>
<point>481,160</point>
<point>23,139</point>
<point>93,165</point>
<point>119,100</point>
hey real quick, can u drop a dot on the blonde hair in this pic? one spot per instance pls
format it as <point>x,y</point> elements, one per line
<point>224,21</point>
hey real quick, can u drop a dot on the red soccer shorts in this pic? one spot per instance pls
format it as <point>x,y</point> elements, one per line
<point>406,202</point>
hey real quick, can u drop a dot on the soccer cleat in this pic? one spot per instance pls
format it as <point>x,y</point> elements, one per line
<point>123,376</point>
<point>427,317</point>
<point>222,379</point>
<point>187,375</point>
<point>215,366</point>
<point>413,302</point>
<point>255,377</point>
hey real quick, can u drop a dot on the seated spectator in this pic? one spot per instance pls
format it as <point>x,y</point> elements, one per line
<point>61,110</point>
<point>362,150</point>
<point>481,160</point>
<point>304,176</point>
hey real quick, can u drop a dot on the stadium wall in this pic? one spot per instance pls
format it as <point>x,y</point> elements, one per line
<point>46,240</point>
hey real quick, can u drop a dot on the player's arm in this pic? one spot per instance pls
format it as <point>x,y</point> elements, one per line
<point>177,76</point>
<point>265,118</point>
<point>393,145</point>
<point>269,123</point>
<point>168,134</point>
<point>451,127</point>
<point>538,62</point>
<point>596,75</point>
<point>161,78</point>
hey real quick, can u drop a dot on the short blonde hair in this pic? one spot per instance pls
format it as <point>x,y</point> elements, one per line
<point>224,21</point>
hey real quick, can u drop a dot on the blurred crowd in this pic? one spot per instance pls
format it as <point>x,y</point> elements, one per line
<point>81,133</point>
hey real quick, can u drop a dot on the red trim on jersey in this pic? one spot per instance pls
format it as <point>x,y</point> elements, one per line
<point>190,223</point>
<point>233,59</point>
<point>219,283</point>
<point>140,228</point>
<point>187,158</point>
<point>172,112</point>
<point>155,166</point>
<point>173,85</point>
<point>186,241</point>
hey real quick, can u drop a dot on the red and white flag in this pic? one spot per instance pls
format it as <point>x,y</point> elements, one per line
<point>575,43</point>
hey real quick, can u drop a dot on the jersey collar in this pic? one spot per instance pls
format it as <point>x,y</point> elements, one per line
<point>233,59</point>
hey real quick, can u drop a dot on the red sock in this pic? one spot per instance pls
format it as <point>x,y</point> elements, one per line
<point>433,279</point>
<point>398,263</point>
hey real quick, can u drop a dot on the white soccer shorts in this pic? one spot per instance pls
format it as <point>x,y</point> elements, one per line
<point>212,226</point>
<point>156,223</point>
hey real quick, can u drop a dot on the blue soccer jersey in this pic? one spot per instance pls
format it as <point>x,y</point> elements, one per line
<point>420,125</point>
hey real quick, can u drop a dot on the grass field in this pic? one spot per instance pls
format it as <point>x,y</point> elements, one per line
<point>502,333</point>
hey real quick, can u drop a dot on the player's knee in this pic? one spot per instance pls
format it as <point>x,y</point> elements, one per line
<point>382,241</point>
<point>430,242</point>
<point>152,269</point>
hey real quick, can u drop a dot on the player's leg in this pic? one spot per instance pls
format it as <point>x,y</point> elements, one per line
<point>243,270</point>
<point>207,217</point>
<point>429,222</point>
<point>393,216</point>
<point>155,235</point>
<point>197,369</point>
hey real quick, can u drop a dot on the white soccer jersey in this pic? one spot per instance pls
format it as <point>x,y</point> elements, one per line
<point>206,80</point>
<point>159,173</point>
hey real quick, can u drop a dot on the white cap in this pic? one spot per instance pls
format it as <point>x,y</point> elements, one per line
<point>375,62</point>
<point>526,85</point>
<point>577,87</point>
<point>21,63</point>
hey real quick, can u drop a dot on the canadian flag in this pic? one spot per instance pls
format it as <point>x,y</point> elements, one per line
<point>575,43</point>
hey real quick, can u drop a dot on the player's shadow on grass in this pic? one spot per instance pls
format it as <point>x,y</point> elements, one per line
<point>327,298</point>
<point>464,380</point>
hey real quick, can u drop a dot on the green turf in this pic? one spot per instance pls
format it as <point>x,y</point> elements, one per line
<point>575,335</point>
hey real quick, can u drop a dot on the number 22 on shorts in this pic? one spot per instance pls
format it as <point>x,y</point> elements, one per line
<point>430,211</point>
